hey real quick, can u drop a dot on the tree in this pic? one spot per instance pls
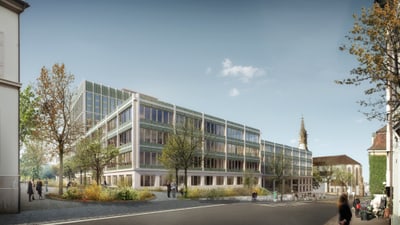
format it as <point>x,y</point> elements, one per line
<point>326,173</point>
<point>342,177</point>
<point>375,42</point>
<point>93,152</point>
<point>33,158</point>
<point>54,114</point>
<point>181,148</point>
<point>317,179</point>
<point>280,166</point>
<point>27,113</point>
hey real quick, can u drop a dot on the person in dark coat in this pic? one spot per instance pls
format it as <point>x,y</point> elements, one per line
<point>39,185</point>
<point>344,210</point>
<point>168,189</point>
<point>30,190</point>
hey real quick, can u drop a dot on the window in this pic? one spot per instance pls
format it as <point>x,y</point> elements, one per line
<point>125,137</point>
<point>214,128</point>
<point>112,124</point>
<point>125,116</point>
<point>213,146</point>
<point>235,133</point>
<point>235,165</point>
<point>220,180</point>
<point>149,159</point>
<point>89,101</point>
<point>195,180</point>
<point>239,180</point>
<point>252,137</point>
<point>151,136</point>
<point>97,103</point>
<point>104,106</point>
<point>124,159</point>
<point>253,152</point>
<point>147,180</point>
<point>229,180</point>
<point>209,180</point>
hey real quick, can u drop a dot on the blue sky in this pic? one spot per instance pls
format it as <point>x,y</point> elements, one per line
<point>265,64</point>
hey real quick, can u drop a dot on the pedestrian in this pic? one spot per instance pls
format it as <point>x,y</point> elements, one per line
<point>69,184</point>
<point>357,206</point>
<point>46,184</point>
<point>168,189</point>
<point>39,185</point>
<point>344,210</point>
<point>30,190</point>
<point>173,189</point>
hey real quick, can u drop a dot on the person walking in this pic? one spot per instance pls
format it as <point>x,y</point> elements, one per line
<point>168,189</point>
<point>39,185</point>
<point>173,189</point>
<point>30,190</point>
<point>344,210</point>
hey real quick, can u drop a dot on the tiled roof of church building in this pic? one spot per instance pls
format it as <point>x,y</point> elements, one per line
<point>334,160</point>
<point>379,140</point>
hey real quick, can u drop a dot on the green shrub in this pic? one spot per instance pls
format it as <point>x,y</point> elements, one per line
<point>73,193</point>
<point>126,193</point>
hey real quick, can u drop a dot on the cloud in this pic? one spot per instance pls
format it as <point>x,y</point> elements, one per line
<point>244,73</point>
<point>234,92</point>
<point>208,70</point>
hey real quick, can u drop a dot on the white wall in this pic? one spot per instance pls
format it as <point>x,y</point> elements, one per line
<point>9,94</point>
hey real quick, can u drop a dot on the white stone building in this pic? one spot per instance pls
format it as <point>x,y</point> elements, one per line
<point>9,104</point>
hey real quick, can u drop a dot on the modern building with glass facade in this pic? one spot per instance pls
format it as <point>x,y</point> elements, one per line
<point>94,101</point>
<point>139,127</point>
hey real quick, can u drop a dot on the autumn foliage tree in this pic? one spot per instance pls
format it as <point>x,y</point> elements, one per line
<point>375,42</point>
<point>54,105</point>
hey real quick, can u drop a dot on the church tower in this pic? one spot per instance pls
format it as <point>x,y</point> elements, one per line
<point>303,136</point>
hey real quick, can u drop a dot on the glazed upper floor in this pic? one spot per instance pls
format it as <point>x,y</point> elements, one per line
<point>153,120</point>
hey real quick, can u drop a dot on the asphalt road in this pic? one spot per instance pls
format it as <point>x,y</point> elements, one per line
<point>237,213</point>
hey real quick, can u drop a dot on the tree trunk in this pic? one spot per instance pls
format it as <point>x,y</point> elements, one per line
<point>185,191</point>
<point>282,187</point>
<point>176,177</point>
<point>61,170</point>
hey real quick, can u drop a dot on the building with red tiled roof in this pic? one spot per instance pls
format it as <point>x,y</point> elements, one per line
<point>378,142</point>
<point>332,167</point>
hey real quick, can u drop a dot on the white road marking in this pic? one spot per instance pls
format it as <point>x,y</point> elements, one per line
<point>129,215</point>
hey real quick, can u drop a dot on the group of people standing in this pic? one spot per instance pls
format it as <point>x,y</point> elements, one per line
<point>172,188</point>
<point>38,187</point>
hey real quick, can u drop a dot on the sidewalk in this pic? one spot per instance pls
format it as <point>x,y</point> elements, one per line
<point>358,221</point>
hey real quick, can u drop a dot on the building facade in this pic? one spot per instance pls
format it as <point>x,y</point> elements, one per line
<point>378,163</point>
<point>9,104</point>
<point>94,101</point>
<point>230,152</point>
<point>329,166</point>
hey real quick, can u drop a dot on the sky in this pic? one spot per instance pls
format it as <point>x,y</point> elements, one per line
<point>265,64</point>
